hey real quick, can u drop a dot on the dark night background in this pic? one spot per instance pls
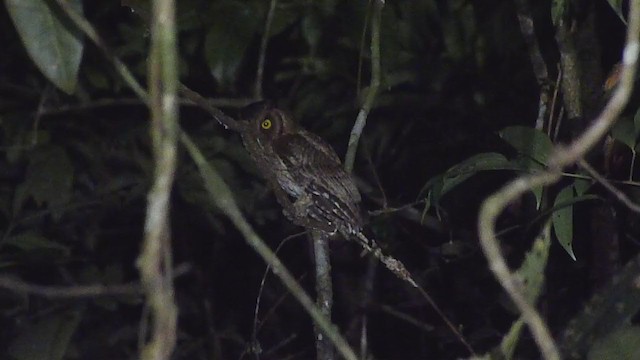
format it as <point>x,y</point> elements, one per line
<point>75,171</point>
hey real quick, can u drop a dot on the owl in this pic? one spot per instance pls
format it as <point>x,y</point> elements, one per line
<point>303,170</point>
<point>308,179</point>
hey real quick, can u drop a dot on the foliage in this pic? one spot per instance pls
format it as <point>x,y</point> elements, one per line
<point>453,122</point>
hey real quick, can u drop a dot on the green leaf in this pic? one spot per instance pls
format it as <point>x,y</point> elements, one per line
<point>562,219</point>
<point>623,344</point>
<point>443,183</point>
<point>233,26</point>
<point>47,339</point>
<point>529,142</point>
<point>624,131</point>
<point>50,178</point>
<point>581,186</point>
<point>616,5</point>
<point>54,48</point>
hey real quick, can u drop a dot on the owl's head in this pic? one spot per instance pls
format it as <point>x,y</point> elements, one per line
<point>267,122</point>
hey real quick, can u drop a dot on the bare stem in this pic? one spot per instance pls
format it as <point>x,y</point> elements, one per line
<point>372,93</point>
<point>155,261</point>
<point>324,291</point>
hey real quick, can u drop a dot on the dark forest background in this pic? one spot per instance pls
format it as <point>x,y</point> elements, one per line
<point>454,120</point>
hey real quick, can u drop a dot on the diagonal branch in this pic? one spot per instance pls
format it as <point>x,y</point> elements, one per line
<point>372,92</point>
<point>493,206</point>
<point>222,196</point>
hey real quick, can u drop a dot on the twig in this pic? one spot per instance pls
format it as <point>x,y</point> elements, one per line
<point>398,269</point>
<point>324,286</point>
<point>394,265</point>
<point>407,318</point>
<point>363,39</point>
<point>554,101</point>
<point>527,29</point>
<point>256,312</point>
<point>372,93</point>
<point>128,77</point>
<point>109,102</point>
<point>78,291</point>
<point>225,120</point>
<point>39,113</point>
<point>257,90</point>
<point>609,186</point>
<point>493,206</point>
<point>221,195</point>
<point>324,291</point>
<point>91,33</point>
<point>65,292</point>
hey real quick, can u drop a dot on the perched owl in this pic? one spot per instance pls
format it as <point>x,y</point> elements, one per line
<point>308,179</point>
<point>303,170</point>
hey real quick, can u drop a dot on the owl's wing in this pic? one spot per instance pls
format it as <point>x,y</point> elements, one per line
<point>317,161</point>
<point>316,167</point>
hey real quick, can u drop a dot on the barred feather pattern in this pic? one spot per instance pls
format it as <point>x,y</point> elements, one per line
<point>308,179</point>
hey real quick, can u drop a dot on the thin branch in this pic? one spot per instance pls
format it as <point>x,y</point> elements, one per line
<point>39,113</point>
<point>222,196</point>
<point>552,111</point>
<point>363,39</point>
<point>257,91</point>
<point>91,33</point>
<point>398,269</point>
<point>372,93</point>
<point>609,186</point>
<point>128,77</point>
<point>112,102</point>
<point>155,261</point>
<point>407,318</point>
<point>78,291</point>
<point>527,28</point>
<point>493,206</point>
<point>225,120</point>
<point>324,291</point>
<point>66,292</point>
<point>256,312</point>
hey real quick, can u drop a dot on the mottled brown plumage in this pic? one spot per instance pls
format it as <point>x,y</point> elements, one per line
<point>303,170</point>
<point>308,179</point>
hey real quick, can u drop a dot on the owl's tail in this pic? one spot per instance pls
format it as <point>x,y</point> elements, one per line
<point>395,266</point>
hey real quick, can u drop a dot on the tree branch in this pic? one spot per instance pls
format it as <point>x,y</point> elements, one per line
<point>493,206</point>
<point>156,261</point>
<point>372,92</point>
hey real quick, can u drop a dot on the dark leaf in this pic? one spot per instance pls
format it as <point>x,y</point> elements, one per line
<point>54,48</point>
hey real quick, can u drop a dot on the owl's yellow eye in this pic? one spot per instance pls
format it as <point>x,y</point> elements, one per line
<point>266,124</point>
